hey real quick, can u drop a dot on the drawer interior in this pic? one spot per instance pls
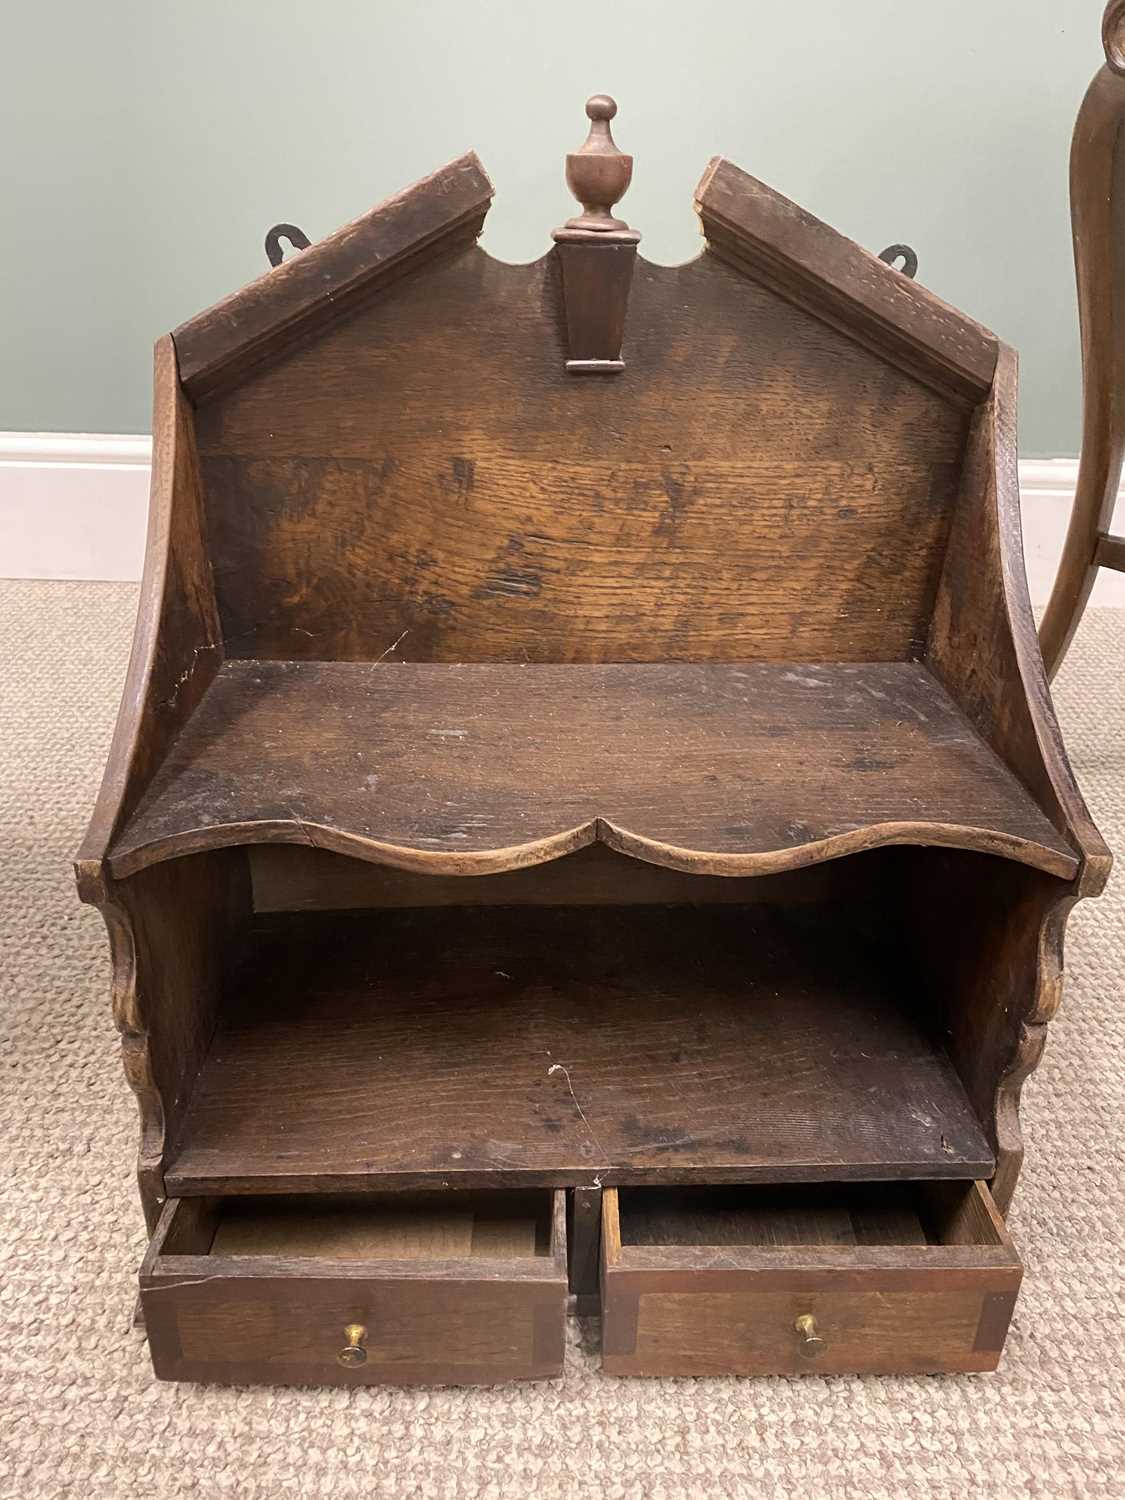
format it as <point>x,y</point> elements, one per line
<point>367,1226</point>
<point>811,1214</point>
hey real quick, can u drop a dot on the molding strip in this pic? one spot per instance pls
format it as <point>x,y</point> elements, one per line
<point>74,505</point>
<point>58,449</point>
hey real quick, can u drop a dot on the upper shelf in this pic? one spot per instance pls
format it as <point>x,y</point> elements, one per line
<point>474,769</point>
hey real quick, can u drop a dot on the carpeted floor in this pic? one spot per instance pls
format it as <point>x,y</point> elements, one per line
<point>80,1414</point>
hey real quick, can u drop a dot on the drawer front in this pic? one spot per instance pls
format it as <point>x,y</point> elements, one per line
<point>256,1329</point>
<point>733,1310</point>
<point>755,1331</point>
<point>256,1319</point>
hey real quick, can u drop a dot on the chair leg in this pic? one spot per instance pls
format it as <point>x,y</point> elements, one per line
<point>1097,209</point>
<point>1077,571</point>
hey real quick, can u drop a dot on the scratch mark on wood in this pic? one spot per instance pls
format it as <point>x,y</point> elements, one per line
<point>559,1068</point>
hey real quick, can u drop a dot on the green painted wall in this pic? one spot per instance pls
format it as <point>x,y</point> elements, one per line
<point>146,147</point>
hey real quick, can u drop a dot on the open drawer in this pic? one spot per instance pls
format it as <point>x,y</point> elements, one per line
<point>831,1278</point>
<point>432,1288</point>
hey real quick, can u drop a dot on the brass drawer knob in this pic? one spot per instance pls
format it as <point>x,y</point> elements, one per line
<point>812,1346</point>
<point>353,1352</point>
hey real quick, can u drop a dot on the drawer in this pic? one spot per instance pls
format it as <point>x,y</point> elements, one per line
<point>433,1288</point>
<point>862,1278</point>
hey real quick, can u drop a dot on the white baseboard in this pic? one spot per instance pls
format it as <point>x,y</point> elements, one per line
<point>73,505</point>
<point>1046,495</point>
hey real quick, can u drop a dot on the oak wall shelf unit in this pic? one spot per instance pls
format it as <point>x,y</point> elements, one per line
<point>586,828</point>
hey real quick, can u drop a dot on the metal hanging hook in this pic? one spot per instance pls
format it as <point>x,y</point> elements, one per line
<point>909,258</point>
<point>296,237</point>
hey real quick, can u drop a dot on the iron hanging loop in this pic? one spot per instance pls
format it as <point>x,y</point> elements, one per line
<point>296,237</point>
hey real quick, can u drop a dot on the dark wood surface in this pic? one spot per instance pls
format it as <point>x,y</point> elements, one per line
<point>809,1214</point>
<point>386,1226</point>
<point>704,1288</point>
<point>781,244</point>
<point>983,647</point>
<point>558,1046</point>
<point>475,769</point>
<point>177,645</point>
<point>427,477</point>
<point>1111,553</point>
<point>1097,206</point>
<point>596,251</point>
<point>173,928</point>
<point>307,293</point>
<point>982,641</point>
<point>584,1244</point>
<point>297,877</point>
<point>996,987</point>
<point>449,1301</point>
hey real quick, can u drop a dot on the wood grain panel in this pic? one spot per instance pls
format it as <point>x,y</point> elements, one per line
<point>427,474</point>
<point>996,986</point>
<point>984,649</point>
<point>810,1214</point>
<point>386,1226</point>
<point>173,930</point>
<point>752,1333</point>
<point>983,645</point>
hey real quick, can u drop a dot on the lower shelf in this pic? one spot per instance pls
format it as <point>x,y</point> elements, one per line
<point>501,1047</point>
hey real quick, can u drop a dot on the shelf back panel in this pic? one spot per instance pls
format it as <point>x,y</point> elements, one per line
<point>425,482</point>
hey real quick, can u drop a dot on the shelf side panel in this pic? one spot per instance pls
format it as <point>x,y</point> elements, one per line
<point>983,645</point>
<point>177,644</point>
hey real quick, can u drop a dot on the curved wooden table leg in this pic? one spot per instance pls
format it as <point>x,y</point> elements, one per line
<point>1097,205</point>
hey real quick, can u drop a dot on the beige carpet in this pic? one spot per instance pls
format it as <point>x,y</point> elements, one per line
<point>80,1414</point>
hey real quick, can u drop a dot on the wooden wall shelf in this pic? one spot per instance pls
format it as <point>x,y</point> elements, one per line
<point>532,791</point>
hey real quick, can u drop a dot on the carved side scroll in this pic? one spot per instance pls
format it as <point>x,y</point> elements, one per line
<point>996,988</point>
<point>1097,206</point>
<point>171,935</point>
<point>135,1055</point>
<point>1044,994</point>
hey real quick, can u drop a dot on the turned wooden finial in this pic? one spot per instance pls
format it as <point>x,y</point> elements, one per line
<point>596,251</point>
<point>598,174</point>
<point>1113,35</point>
